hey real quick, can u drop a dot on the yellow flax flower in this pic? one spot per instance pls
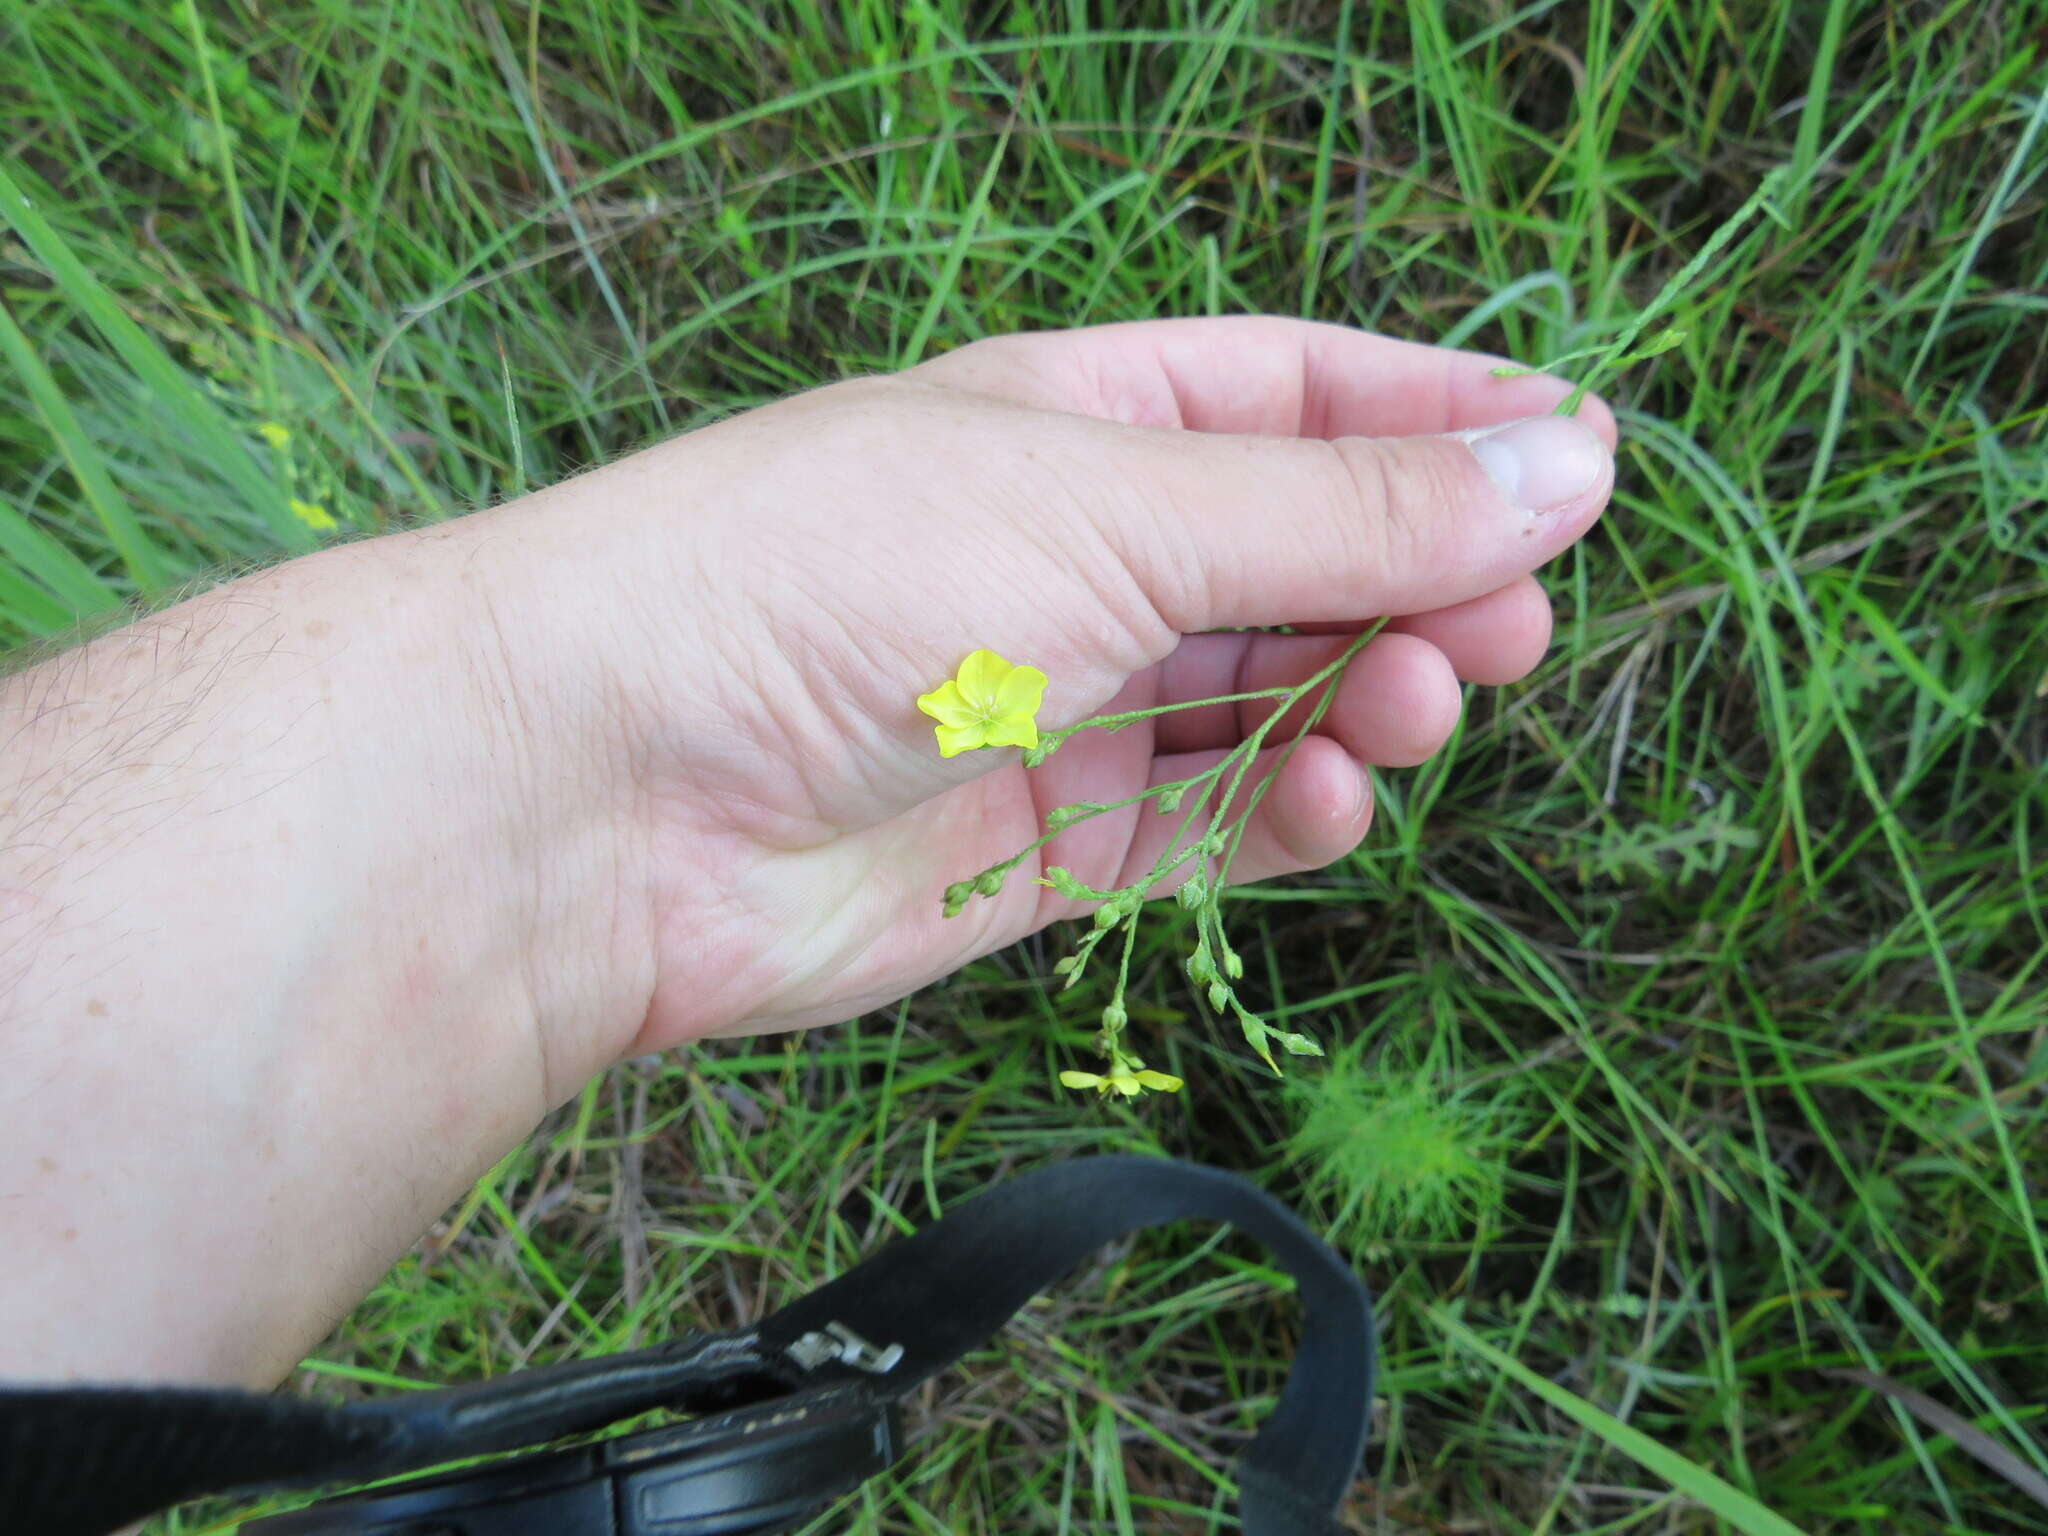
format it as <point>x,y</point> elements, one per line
<point>313,515</point>
<point>1129,1077</point>
<point>989,703</point>
<point>275,435</point>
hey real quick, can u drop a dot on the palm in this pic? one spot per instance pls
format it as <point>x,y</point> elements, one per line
<point>869,896</point>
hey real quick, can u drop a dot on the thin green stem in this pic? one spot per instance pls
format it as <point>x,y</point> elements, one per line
<point>1049,740</point>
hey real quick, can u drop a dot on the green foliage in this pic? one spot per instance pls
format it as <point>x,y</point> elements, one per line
<point>1399,1153</point>
<point>1195,863</point>
<point>1778,1108</point>
<point>1655,855</point>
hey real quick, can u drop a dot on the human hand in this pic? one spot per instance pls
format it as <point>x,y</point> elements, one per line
<point>1086,502</point>
<point>316,891</point>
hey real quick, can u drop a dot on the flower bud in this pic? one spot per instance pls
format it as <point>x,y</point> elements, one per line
<point>1114,1018</point>
<point>1170,801</point>
<point>1219,994</point>
<point>1191,894</point>
<point>1233,965</point>
<point>989,881</point>
<point>1066,815</point>
<point>1061,879</point>
<point>956,897</point>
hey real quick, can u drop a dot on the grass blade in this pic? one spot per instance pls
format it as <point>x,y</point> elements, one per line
<point>40,558</point>
<point>172,388</point>
<point>1946,1421</point>
<point>146,565</point>
<point>1726,1501</point>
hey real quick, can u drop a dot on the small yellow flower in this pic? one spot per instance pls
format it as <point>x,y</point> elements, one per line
<point>1128,1077</point>
<point>274,434</point>
<point>313,515</point>
<point>988,704</point>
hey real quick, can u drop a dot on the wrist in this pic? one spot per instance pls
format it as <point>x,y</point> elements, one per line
<point>317,850</point>
<point>524,814</point>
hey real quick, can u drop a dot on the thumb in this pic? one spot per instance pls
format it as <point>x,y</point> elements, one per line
<point>1225,530</point>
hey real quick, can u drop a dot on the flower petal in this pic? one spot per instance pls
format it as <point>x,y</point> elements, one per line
<point>953,740</point>
<point>1012,731</point>
<point>1021,692</point>
<point>945,705</point>
<point>1164,1082</point>
<point>981,678</point>
<point>1080,1080</point>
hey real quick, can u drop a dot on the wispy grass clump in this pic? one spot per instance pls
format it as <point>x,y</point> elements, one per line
<point>1396,1154</point>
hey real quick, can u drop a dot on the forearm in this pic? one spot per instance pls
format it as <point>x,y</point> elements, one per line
<point>271,868</point>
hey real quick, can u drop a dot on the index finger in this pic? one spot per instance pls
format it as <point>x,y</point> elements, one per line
<point>1259,374</point>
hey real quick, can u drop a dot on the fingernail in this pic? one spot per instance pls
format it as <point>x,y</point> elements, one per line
<point>1540,463</point>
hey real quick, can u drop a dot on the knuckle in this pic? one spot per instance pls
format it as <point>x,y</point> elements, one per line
<point>1400,496</point>
<point>1019,370</point>
<point>1147,577</point>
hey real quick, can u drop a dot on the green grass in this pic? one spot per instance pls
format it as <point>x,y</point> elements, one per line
<point>1711,958</point>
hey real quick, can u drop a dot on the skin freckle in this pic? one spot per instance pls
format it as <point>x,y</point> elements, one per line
<point>318,629</point>
<point>96,1009</point>
<point>70,1234</point>
<point>48,1164</point>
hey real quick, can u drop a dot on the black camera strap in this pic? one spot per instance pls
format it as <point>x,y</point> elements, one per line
<point>818,1379</point>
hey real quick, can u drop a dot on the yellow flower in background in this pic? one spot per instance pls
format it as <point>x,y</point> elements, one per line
<point>313,515</point>
<point>274,434</point>
<point>989,703</point>
<point>1129,1077</point>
